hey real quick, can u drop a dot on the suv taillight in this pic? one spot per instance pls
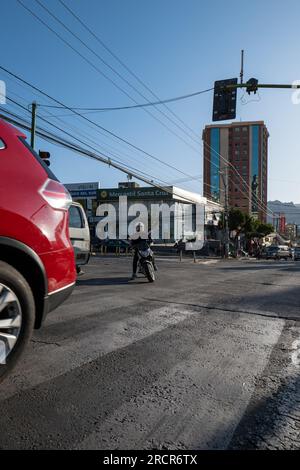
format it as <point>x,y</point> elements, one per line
<point>56,195</point>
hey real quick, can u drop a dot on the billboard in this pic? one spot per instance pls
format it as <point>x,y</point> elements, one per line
<point>137,193</point>
<point>82,186</point>
<point>83,190</point>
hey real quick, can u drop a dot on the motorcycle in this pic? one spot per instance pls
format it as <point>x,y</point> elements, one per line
<point>145,262</point>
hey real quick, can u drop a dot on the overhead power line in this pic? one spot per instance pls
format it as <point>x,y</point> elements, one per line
<point>80,141</point>
<point>102,158</point>
<point>38,18</point>
<point>228,164</point>
<point>26,124</point>
<point>126,67</point>
<point>57,127</point>
<point>94,123</point>
<point>78,132</point>
<point>53,138</point>
<point>142,105</point>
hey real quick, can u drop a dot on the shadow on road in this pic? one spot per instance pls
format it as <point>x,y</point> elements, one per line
<point>271,418</point>
<point>281,266</point>
<point>273,422</point>
<point>110,281</point>
<point>103,281</point>
<point>264,424</point>
<point>280,304</point>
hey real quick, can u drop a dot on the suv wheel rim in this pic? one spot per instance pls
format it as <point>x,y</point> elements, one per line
<point>10,321</point>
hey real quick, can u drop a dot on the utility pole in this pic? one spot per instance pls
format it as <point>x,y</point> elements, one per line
<point>242,66</point>
<point>226,212</point>
<point>33,120</point>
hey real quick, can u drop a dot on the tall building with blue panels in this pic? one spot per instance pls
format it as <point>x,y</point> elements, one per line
<point>235,157</point>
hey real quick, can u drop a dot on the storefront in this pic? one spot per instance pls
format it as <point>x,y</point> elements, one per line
<point>170,214</point>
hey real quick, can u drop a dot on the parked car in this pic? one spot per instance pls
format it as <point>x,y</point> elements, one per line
<point>37,268</point>
<point>79,234</point>
<point>297,253</point>
<point>278,252</point>
<point>284,252</point>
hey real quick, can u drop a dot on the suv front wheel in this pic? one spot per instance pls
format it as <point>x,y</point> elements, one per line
<point>17,314</point>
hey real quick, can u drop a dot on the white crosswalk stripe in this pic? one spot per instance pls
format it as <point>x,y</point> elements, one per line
<point>69,354</point>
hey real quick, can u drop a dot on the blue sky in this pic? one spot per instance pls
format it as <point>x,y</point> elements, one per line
<point>175,47</point>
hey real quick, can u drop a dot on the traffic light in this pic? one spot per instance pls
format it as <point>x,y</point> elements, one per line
<point>252,86</point>
<point>45,156</point>
<point>224,100</point>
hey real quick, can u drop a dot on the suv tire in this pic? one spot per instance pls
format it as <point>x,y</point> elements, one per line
<point>17,315</point>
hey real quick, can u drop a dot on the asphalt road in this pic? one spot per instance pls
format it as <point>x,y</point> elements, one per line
<point>207,357</point>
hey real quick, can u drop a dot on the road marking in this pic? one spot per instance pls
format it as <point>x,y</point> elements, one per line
<point>212,261</point>
<point>76,350</point>
<point>295,356</point>
<point>201,400</point>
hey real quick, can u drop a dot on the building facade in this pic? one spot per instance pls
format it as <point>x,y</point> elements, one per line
<point>177,209</point>
<point>244,146</point>
<point>172,213</point>
<point>85,194</point>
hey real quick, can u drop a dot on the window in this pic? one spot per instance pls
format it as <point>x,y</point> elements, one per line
<point>2,144</point>
<point>75,217</point>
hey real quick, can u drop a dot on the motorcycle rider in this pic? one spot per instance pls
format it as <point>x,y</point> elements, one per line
<point>136,240</point>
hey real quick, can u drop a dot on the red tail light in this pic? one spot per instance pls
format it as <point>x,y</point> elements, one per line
<point>56,195</point>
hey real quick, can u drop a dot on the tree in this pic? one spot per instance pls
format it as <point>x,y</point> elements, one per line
<point>265,229</point>
<point>236,219</point>
<point>245,224</point>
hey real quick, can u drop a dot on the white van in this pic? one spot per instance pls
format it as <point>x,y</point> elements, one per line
<point>79,234</point>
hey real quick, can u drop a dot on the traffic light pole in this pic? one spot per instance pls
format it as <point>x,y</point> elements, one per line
<point>225,93</point>
<point>226,213</point>
<point>261,85</point>
<point>33,121</point>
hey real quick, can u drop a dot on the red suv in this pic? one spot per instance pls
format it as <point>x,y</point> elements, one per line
<point>37,267</point>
